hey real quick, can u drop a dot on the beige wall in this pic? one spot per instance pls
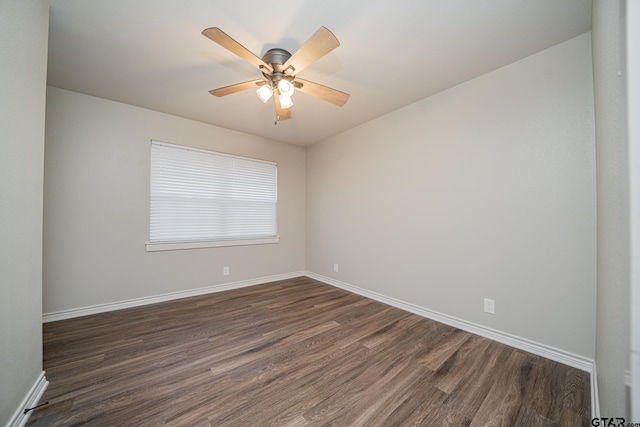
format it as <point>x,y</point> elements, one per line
<point>23,53</point>
<point>484,190</point>
<point>612,331</point>
<point>96,205</point>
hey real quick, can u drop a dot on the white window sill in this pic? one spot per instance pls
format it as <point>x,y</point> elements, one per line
<point>155,247</point>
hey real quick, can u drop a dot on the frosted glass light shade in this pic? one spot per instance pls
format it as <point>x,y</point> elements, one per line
<point>285,87</point>
<point>285,101</point>
<point>264,93</point>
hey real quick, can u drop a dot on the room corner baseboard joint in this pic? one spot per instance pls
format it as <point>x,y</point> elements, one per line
<point>20,418</point>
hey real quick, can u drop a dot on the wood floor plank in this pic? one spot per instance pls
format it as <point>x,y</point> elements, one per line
<point>480,376</point>
<point>294,353</point>
<point>462,363</point>
<point>439,354</point>
<point>416,406</point>
<point>502,404</point>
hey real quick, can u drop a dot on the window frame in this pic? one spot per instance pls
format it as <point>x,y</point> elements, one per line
<point>153,246</point>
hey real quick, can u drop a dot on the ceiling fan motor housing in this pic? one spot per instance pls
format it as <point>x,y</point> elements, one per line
<point>276,57</point>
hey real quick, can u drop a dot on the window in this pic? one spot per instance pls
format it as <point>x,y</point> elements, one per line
<point>202,199</point>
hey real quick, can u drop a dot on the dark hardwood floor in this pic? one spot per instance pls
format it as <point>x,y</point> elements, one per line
<point>294,353</point>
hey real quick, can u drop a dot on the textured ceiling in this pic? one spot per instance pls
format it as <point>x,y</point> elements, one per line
<point>151,53</point>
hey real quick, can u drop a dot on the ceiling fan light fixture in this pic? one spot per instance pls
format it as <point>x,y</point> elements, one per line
<point>285,87</point>
<point>264,93</point>
<point>279,70</point>
<point>286,101</point>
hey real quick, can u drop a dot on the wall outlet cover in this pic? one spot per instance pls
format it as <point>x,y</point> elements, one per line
<point>489,306</point>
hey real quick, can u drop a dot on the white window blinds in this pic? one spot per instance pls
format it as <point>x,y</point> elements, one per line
<point>199,195</point>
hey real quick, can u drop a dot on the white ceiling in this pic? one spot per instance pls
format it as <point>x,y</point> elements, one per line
<point>151,53</point>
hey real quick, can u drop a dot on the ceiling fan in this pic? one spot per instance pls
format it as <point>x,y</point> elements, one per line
<point>280,71</point>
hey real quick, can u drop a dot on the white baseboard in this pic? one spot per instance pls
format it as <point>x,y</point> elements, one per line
<point>557,355</point>
<point>137,302</point>
<point>595,396</point>
<point>19,418</point>
<point>539,349</point>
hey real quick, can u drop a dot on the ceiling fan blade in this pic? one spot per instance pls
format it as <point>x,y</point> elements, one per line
<point>319,44</point>
<point>323,92</point>
<point>220,37</point>
<point>228,90</point>
<point>281,113</point>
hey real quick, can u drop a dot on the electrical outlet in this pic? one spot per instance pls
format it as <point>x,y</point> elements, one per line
<point>225,271</point>
<point>335,268</point>
<point>489,306</point>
